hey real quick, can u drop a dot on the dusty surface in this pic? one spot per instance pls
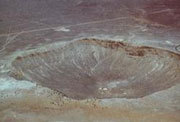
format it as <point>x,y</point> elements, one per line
<point>28,102</point>
<point>133,38</point>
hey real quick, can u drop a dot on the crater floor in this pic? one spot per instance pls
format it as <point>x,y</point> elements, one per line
<point>92,68</point>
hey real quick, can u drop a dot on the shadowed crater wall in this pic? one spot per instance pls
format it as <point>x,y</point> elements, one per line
<point>92,68</point>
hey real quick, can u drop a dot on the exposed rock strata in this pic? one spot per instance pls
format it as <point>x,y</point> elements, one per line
<point>92,68</point>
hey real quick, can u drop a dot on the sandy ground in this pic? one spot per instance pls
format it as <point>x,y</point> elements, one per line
<point>27,26</point>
